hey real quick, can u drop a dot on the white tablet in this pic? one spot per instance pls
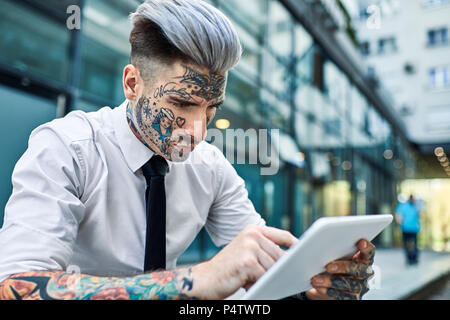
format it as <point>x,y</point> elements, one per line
<point>328,239</point>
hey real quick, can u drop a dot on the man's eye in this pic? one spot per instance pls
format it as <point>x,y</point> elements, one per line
<point>182,104</point>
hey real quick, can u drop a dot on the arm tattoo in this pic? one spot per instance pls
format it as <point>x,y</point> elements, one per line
<point>59,285</point>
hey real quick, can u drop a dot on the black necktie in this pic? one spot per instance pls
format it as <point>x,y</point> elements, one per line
<point>155,196</point>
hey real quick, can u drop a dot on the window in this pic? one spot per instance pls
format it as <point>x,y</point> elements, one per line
<point>25,41</point>
<point>363,14</point>
<point>336,85</point>
<point>249,19</point>
<point>104,50</point>
<point>358,107</point>
<point>279,112</point>
<point>429,4</point>
<point>242,98</point>
<point>249,62</point>
<point>276,75</point>
<point>387,45</point>
<point>437,36</point>
<point>318,70</point>
<point>304,49</point>
<point>438,77</point>
<point>249,14</point>
<point>365,48</point>
<point>387,8</point>
<point>280,29</point>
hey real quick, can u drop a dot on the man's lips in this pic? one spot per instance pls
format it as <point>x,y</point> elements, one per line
<point>186,142</point>
<point>186,147</point>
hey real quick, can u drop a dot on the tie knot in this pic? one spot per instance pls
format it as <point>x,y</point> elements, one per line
<point>156,166</point>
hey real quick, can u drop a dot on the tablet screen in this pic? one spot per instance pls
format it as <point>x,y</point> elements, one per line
<point>328,239</point>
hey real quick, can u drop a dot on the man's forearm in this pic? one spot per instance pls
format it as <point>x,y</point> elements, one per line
<point>59,285</point>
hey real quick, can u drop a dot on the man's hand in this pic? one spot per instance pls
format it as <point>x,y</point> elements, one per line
<point>243,261</point>
<point>345,279</point>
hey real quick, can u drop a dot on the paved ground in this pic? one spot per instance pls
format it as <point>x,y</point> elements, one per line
<point>443,294</point>
<point>395,280</point>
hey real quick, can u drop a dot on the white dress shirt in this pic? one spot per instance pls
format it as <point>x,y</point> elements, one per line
<point>79,199</point>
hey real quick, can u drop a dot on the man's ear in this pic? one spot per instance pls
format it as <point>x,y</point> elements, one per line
<point>132,82</point>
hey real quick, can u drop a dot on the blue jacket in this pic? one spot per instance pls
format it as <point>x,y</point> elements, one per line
<point>410,217</point>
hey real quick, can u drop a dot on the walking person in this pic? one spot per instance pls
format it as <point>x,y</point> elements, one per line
<point>408,217</point>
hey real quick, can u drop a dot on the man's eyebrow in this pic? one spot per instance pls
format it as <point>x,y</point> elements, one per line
<point>192,101</point>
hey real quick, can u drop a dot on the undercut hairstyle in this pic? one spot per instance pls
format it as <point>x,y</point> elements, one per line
<point>191,31</point>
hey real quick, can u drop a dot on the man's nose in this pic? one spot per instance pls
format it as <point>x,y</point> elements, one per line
<point>197,128</point>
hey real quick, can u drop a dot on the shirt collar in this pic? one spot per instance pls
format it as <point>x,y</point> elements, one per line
<point>136,154</point>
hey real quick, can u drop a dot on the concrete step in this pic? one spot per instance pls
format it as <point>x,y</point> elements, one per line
<point>394,280</point>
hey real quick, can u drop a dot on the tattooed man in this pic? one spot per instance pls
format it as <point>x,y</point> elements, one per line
<point>75,224</point>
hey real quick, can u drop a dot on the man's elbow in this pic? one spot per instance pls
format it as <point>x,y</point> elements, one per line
<point>23,285</point>
<point>11,289</point>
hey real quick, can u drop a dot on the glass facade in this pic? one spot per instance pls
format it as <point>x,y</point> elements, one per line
<point>105,50</point>
<point>284,81</point>
<point>25,42</point>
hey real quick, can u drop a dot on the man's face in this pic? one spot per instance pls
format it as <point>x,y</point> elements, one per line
<point>183,100</point>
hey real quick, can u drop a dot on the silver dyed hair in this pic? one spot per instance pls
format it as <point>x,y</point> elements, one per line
<point>197,29</point>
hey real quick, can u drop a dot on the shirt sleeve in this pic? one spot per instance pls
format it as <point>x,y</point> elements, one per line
<point>44,211</point>
<point>232,210</point>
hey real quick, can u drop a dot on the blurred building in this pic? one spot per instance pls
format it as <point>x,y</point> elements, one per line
<point>435,220</point>
<point>406,47</point>
<point>301,72</point>
<point>406,44</point>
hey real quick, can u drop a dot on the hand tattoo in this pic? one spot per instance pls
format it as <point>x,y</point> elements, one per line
<point>371,253</point>
<point>347,283</point>
<point>360,270</point>
<point>341,295</point>
<point>350,279</point>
